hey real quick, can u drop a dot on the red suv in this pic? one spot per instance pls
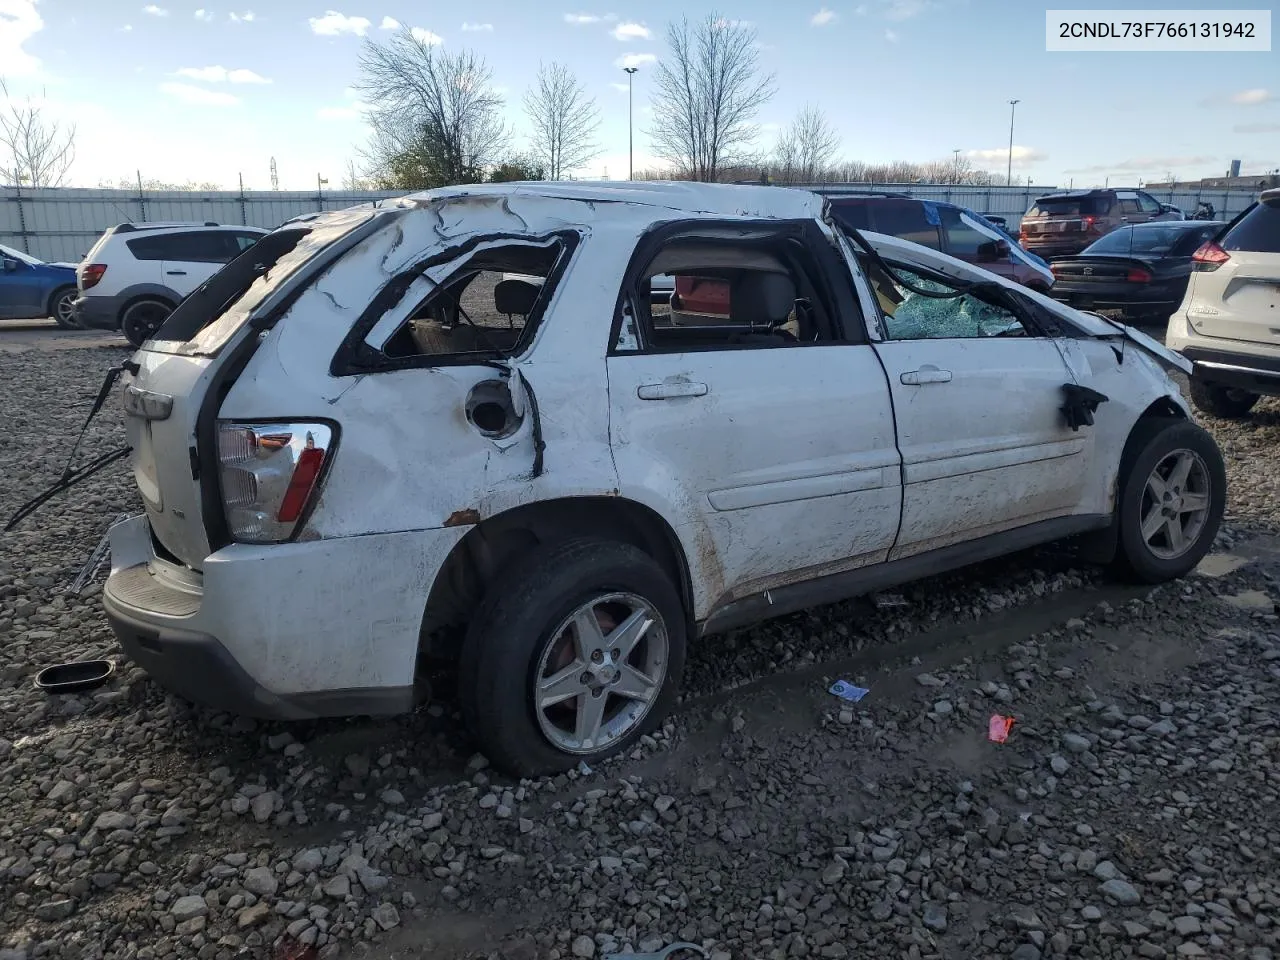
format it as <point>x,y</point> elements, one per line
<point>954,230</point>
<point>1064,223</point>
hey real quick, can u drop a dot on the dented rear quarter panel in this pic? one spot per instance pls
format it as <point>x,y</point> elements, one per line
<point>407,457</point>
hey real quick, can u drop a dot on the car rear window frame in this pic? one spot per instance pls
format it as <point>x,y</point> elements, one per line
<point>1247,220</point>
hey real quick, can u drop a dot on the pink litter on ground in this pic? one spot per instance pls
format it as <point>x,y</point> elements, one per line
<point>998,729</point>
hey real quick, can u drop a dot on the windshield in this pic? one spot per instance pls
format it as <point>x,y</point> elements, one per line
<point>15,255</point>
<point>1070,207</point>
<point>1156,238</point>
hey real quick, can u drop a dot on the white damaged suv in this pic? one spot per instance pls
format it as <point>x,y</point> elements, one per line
<point>360,448</point>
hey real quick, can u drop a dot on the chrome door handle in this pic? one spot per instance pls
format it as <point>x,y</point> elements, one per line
<point>176,273</point>
<point>926,374</point>
<point>671,390</point>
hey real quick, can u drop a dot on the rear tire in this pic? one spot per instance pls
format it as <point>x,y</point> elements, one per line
<point>1226,403</point>
<point>140,320</point>
<point>526,632</point>
<point>1173,491</point>
<point>61,309</point>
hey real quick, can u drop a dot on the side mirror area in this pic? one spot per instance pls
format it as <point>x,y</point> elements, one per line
<point>993,250</point>
<point>10,265</point>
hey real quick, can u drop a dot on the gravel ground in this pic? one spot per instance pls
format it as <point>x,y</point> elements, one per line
<point>1126,815</point>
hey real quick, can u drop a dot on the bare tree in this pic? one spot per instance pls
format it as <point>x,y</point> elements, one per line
<point>35,152</point>
<point>435,116</point>
<point>709,90</point>
<point>807,148</point>
<point>564,121</point>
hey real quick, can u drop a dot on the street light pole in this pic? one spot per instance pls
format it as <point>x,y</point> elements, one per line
<point>1008,174</point>
<point>631,173</point>
<point>955,168</point>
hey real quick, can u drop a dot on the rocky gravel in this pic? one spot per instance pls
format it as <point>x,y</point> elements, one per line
<point>1130,813</point>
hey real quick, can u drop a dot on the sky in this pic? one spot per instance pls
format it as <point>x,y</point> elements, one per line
<point>199,91</point>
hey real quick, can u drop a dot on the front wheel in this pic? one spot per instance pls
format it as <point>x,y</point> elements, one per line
<point>142,318</point>
<point>573,655</point>
<point>62,309</point>
<point>1226,403</point>
<point>1173,491</point>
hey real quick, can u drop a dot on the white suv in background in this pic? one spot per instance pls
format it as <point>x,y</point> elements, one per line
<point>1229,322</point>
<point>138,272</point>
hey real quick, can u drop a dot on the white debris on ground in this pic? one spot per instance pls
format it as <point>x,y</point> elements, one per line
<point>1123,817</point>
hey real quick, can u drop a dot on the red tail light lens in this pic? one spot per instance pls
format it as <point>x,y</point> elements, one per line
<point>1209,257</point>
<point>1091,224</point>
<point>90,274</point>
<point>1138,275</point>
<point>270,473</point>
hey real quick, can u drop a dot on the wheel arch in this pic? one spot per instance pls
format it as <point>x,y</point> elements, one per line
<point>56,292</point>
<point>477,561</point>
<point>1101,546</point>
<point>140,292</point>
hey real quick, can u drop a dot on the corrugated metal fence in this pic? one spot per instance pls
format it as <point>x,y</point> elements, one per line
<point>62,224</point>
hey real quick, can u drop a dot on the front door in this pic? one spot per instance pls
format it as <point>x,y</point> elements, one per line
<point>766,431</point>
<point>977,393</point>
<point>19,289</point>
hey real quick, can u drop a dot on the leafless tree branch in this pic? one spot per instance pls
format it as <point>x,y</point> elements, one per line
<point>564,121</point>
<point>806,149</point>
<point>435,116</point>
<point>709,90</point>
<point>34,152</point>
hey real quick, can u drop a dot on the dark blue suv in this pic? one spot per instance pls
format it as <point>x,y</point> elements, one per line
<point>31,289</point>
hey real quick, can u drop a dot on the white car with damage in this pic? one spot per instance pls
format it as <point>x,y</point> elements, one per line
<point>367,445</point>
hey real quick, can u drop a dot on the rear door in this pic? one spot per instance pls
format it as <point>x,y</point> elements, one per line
<point>1128,211</point>
<point>1239,298</point>
<point>774,441</point>
<point>193,256</point>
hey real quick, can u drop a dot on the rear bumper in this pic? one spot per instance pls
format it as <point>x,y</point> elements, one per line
<point>288,631</point>
<point>98,313</point>
<point>1116,297</point>
<point>1255,374</point>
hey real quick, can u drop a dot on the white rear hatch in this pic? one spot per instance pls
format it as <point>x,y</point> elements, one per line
<point>1234,291</point>
<point>172,455</point>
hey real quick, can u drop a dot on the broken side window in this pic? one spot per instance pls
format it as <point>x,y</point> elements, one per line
<point>913,316</point>
<point>482,307</point>
<point>727,294</point>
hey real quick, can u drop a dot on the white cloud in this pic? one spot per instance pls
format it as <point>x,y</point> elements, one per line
<point>635,60</point>
<point>155,11</point>
<point>334,23</point>
<point>823,17</point>
<point>220,75</point>
<point>389,23</point>
<point>477,28</point>
<point>1253,97</point>
<point>199,95</point>
<point>19,22</point>
<point>246,17</point>
<point>620,87</point>
<point>1256,128</point>
<point>891,36</point>
<point>1139,164</point>
<point>204,15</point>
<point>630,31</point>
<point>423,35</point>
<point>1022,156</point>
<point>581,18</point>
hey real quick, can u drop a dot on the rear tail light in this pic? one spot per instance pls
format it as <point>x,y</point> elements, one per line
<point>1138,275</point>
<point>1091,224</point>
<point>270,473</point>
<point>1022,236</point>
<point>1209,257</point>
<point>90,274</point>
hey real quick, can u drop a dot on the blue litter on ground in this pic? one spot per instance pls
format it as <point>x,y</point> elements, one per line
<point>847,691</point>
